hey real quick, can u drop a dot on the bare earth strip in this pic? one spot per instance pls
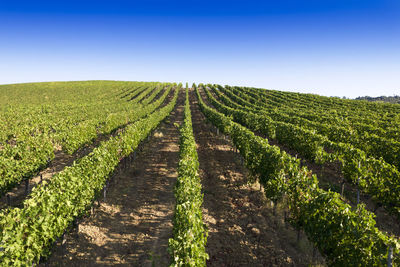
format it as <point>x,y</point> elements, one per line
<point>133,225</point>
<point>243,230</point>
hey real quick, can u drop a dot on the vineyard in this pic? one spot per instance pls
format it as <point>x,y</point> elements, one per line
<point>159,174</point>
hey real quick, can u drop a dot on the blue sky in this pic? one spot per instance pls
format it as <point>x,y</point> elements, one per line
<point>335,48</point>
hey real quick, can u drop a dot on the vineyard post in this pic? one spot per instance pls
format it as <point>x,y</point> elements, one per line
<point>314,253</point>
<point>273,204</point>
<point>358,186</point>
<point>63,240</point>
<point>298,235</point>
<point>104,193</point>
<point>285,219</point>
<point>358,191</point>
<point>8,199</point>
<point>41,178</point>
<point>342,188</point>
<point>390,257</point>
<point>49,163</point>
<point>26,186</point>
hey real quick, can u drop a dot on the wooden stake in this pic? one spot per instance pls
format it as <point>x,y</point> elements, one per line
<point>8,199</point>
<point>63,239</point>
<point>274,208</point>
<point>298,235</point>
<point>390,257</point>
<point>358,185</point>
<point>314,253</point>
<point>358,191</point>
<point>342,188</point>
<point>26,186</point>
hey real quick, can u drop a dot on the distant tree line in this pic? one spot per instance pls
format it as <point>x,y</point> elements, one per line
<point>389,99</point>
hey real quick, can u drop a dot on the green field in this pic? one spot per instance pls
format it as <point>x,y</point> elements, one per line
<point>330,165</point>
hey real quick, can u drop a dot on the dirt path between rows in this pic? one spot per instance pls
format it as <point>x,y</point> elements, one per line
<point>133,225</point>
<point>243,230</point>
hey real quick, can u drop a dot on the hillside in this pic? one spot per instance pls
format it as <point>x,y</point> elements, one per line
<point>146,173</point>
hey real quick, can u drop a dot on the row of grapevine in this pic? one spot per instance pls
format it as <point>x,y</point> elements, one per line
<point>345,236</point>
<point>187,247</point>
<point>31,137</point>
<point>105,122</point>
<point>308,109</point>
<point>362,138</point>
<point>373,176</point>
<point>348,121</point>
<point>28,233</point>
<point>349,111</point>
<point>59,120</point>
<point>21,119</point>
<point>306,142</point>
<point>380,123</point>
<point>36,154</point>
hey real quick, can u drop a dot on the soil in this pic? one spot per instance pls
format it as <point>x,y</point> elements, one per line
<point>131,227</point>
<point>243,228</point>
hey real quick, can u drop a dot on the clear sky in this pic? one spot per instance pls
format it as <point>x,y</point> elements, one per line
<point>329,47</point>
